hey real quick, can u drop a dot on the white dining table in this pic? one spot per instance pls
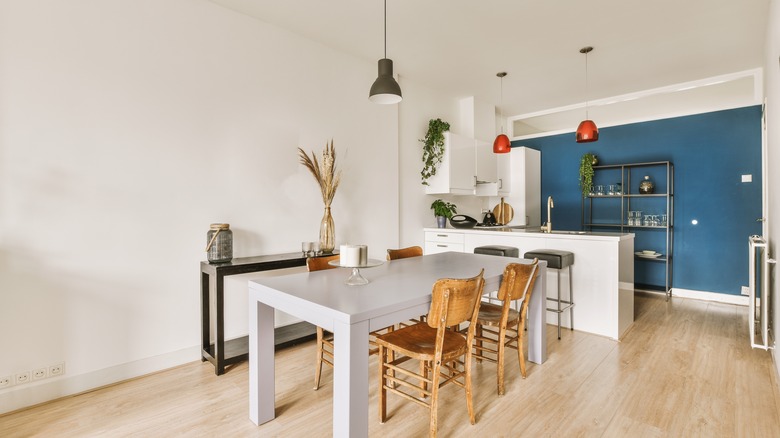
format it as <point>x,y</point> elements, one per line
<point>397,291</point>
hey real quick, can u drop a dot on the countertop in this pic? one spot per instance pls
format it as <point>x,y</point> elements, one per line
<point>537,233</point>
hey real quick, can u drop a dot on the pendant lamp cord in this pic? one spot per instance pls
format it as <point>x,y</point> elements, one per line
<point>501,110</point>
<point>586,85</point>
<point>386,29</point>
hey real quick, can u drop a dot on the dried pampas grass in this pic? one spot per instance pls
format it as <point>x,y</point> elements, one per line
<point>324,171</point>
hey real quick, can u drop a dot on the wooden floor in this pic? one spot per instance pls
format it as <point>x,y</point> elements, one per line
<point>684,369</point>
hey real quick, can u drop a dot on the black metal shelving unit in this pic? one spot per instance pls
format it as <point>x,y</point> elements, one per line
<point>629,195</point>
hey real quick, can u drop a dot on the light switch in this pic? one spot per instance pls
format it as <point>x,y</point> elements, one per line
<point>747,178</point>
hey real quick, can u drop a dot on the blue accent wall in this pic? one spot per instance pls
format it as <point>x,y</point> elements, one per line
<point>710,153</point>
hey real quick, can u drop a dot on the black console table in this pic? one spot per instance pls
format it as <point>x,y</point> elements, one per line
<point>212,277</point>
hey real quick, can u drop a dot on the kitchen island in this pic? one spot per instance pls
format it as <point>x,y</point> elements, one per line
<point>602,273</point>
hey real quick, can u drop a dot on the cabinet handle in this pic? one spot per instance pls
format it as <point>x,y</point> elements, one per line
<point>475,180</point>
<point>442,246</point>
<point>442,235</point>
<point>500,183</point>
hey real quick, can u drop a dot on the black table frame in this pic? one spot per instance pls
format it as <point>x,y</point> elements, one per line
<point>212,277</point>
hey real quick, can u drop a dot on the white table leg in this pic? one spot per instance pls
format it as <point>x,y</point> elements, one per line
<point>261,362</point>
<point>350,380</point>
<point>537,319</point>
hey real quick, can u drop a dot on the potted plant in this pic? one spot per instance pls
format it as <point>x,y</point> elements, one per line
<point>443,210</point>
<point>586,172</point>
<point>433,148</point>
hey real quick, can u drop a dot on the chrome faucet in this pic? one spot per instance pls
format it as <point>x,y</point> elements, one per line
<point>547,227</point>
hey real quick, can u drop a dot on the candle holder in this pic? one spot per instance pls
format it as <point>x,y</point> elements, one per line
<point>356,278</point>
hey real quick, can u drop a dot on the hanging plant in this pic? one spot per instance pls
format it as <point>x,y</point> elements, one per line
<point>433,148</point>
<point>586,172</point>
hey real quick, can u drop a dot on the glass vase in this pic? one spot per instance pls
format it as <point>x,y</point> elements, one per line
<point>327,233</point>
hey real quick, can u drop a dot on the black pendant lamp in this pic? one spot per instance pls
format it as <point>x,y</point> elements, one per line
<point>587,131</point>
<point>502,145</point>
<point>385,89</point>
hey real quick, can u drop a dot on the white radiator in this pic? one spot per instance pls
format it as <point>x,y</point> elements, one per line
<point>760,294</point>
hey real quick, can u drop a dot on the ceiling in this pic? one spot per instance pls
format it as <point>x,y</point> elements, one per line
<point>458,46</point>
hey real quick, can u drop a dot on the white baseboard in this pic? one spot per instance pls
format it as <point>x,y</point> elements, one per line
<point>30,394</point>
<point>739,300</point>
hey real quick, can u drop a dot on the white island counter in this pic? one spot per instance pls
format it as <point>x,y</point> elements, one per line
<point>602,273</point>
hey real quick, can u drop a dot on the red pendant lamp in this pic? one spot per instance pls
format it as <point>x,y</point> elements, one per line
<point>587,131</point>
<point>502,145</point>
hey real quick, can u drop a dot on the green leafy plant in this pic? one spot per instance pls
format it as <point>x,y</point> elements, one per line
<point>433,148</point>
<point>442,208</point>
<point>586,172</point>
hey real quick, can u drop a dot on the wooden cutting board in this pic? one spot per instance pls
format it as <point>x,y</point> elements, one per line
<point>504,216</point>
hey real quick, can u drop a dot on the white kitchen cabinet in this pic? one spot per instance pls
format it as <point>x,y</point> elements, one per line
<point>443,241</point>
<point>456,173</point>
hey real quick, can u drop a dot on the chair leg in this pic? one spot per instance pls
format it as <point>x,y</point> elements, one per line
<point>318,366</point>
<point>520,354</point>
<point>469,400</point>
<point>558,271</point>
<point>382,384</point>
<point>424,373</point>
<point>500,360</point>
<point>571,305</point>
<point>433,423</point>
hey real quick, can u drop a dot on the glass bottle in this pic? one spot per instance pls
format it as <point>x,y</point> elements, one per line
<point>327,233</point>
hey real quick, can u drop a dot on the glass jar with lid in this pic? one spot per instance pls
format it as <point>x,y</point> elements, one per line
<point>219,243</point>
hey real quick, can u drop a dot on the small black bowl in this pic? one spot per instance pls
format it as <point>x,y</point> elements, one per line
<point>463,221</point>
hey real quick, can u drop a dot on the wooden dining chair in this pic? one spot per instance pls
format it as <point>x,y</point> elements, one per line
<point>325,339</point>
<point>402,253</point>
<point>446,353</point>
<point>499,326</point>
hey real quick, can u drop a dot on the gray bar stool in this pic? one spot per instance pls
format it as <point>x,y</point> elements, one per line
<point>498,250</point>
<point>557,260</point>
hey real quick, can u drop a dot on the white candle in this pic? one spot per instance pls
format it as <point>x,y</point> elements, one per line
<point>349,255</point>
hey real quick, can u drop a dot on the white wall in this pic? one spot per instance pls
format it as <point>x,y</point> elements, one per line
<point>772,90</point>
<point>126,127</point>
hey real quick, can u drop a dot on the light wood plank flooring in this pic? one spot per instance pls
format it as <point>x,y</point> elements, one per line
<point>684,369</point>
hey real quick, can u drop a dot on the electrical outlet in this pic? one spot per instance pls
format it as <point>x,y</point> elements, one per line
<point>40,373</point>
<point>6,381</point>
<point>745,290</point>
<point>22,378</point>
<point>57,369</point>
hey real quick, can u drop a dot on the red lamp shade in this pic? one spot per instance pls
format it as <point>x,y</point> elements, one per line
<point>502,145</point>
<point>586,132</point>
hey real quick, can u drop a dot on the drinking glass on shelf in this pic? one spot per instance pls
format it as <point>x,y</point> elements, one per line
<point>664,220</point>
<point>611,189</point>
<point>591,190</point>
<point>600,190</point>
<point>306,248</point>
<point>647,220</point>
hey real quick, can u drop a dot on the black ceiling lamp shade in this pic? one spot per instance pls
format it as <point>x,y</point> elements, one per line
<point>502,145</point>
<point>587,130</point>
<point>385,89</point>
